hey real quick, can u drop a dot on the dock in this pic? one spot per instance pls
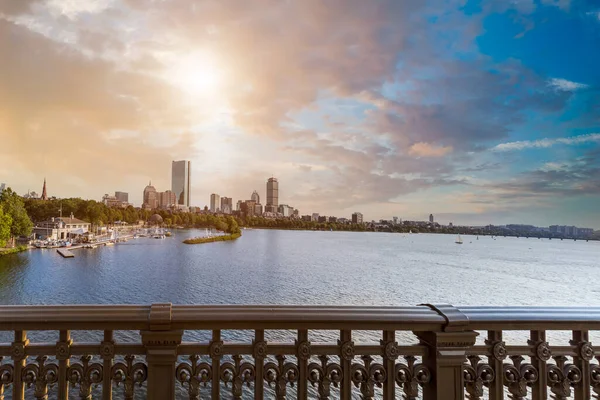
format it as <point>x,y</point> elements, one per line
<point>65,253</point>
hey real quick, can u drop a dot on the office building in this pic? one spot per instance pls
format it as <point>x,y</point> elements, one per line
<point>258,209</point>
<point>357,218</point>
<point>181,181</point>
<point>123,197</point>
<point>215,203</point>
<point>272,195</point>
<point>226,205</point>
<point>248,208</point>
<point>150,197</point>
<point>431,218</point>
<point>238,206</point>
<point>315,217</point>
<point>255,197</point>
<point>285,210</point>
<point>111,201</point>
<point>167,199</point>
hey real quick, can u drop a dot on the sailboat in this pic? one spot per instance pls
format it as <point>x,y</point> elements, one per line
<point>458,240</point>
<point>410,231</point>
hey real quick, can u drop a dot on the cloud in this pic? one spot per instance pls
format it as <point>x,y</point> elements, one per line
<point>565,85</point>
<point>546,142</point>
<point>422,149</point>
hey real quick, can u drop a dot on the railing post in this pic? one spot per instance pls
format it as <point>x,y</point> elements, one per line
<point>447,355</point>
<point>585,353</point>
<point>161,352</point>
<point>63,354</point>
<point>541,354</point>
<point>19,356</point>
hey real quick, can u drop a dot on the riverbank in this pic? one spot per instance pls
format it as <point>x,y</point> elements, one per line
<point>212,239</point>
<point>12,250</point>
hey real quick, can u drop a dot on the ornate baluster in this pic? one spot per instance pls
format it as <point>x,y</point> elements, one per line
<point>63,353</point>
<point>595,378</point>
<point>410,376</point>
<point>85,375</point>
<point>476,376</point>
<point>518,376</point>
<point>41,375</point>
<point>239,374</point>
<point>6,376</point>
<point>130,374</point>
<point>281,374</point>
<point>107,352</point>
<point>324,375</point>
<point>367,376</point>
<point>19,358</point>
<point>194,374</point>
<point>541,354</point>
<point>216,352</point>
<point>389,352</point>
<point>497,349</point>
<point>585,353</point>
<point>561,377</point>
<point>259,352</point>
<point>346,356</point>
<point>303,354</point>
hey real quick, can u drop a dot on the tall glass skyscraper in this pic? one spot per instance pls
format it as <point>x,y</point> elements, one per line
<point>181,181</point>
<point>272,195</point>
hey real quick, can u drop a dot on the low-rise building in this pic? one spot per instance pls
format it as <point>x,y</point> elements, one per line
<point>61,228</point>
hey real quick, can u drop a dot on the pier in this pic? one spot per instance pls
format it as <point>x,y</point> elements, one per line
<point>65,253</point>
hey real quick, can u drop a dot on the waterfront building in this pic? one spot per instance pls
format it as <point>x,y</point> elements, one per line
<point>322,219</point>
<point>44,192</point>
<point>181,181</point>
<point>315,217</point>
<point>215,200</point>
<point>357,218</point>
<point>431,218</point>
<point>226,205</point>
<point>258,209</point>
<point>307,218</point>
<point>123,197</point>
<point>255,197</point>
<point>167,199</point>
<point>61,228</point>
<point>150,197</point>
<point>332,219</point>
<point>272,195</point>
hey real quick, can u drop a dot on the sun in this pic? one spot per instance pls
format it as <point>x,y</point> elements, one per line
<point>197,73</point>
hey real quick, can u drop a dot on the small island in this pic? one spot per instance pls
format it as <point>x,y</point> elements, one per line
<point>229,226</point>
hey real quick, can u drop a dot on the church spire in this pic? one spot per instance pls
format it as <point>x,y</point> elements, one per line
<point>44,193</point>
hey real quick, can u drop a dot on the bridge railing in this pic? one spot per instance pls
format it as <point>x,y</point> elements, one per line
<point>444,361</point>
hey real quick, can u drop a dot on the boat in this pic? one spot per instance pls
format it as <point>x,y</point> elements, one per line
<point>158,236</point>
<point>458,240</point>
<point>409,231</point>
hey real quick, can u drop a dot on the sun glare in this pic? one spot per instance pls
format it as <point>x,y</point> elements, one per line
<point>197,73</point>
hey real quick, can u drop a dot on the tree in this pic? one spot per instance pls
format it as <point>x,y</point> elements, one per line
<point>5,224</point>
<point>13,205</point>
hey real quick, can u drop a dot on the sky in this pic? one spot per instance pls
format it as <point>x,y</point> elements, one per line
<point>478,111</point>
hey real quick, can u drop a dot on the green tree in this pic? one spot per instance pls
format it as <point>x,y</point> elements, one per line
<point>5,224</point>
<point>13,205</point>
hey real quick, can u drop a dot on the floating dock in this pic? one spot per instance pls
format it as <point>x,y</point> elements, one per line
<point>65,253</point>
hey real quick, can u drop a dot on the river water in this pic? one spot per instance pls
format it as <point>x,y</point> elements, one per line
<point>311,267</point>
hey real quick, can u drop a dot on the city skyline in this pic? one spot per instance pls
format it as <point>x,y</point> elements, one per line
<point>477,112</point>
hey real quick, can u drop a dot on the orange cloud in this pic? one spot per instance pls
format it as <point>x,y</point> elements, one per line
<point>423,149</point>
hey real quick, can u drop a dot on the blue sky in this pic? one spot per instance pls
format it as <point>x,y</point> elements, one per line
<point>476,111</point>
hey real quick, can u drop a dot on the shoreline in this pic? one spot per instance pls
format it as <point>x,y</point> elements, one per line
<point>13,250</point>
<point>222,238</point>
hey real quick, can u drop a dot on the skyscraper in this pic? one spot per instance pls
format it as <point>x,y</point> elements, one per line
<point>226,205</point>
<point>255,197</point>
<point>214,202</point>
<point>150,197</point>
<point>272,195</point>
<point>431,218</point>
<point>181,181</point>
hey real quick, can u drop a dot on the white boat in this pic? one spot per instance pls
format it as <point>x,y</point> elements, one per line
<point>410,231</point>
<point>158,236</point>
<point>458,240</point>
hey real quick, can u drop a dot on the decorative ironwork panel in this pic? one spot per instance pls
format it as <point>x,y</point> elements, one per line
<point>323,375</point>
<point>411,376</point>
<point>477,375</point>
<point>130,374</point>
<point>85,375</point>
<point>518,376</point>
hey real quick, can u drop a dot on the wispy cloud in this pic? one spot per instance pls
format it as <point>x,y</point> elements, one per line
<point>422,149</point>
<point>544,143</point>
<point>565,85</point>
